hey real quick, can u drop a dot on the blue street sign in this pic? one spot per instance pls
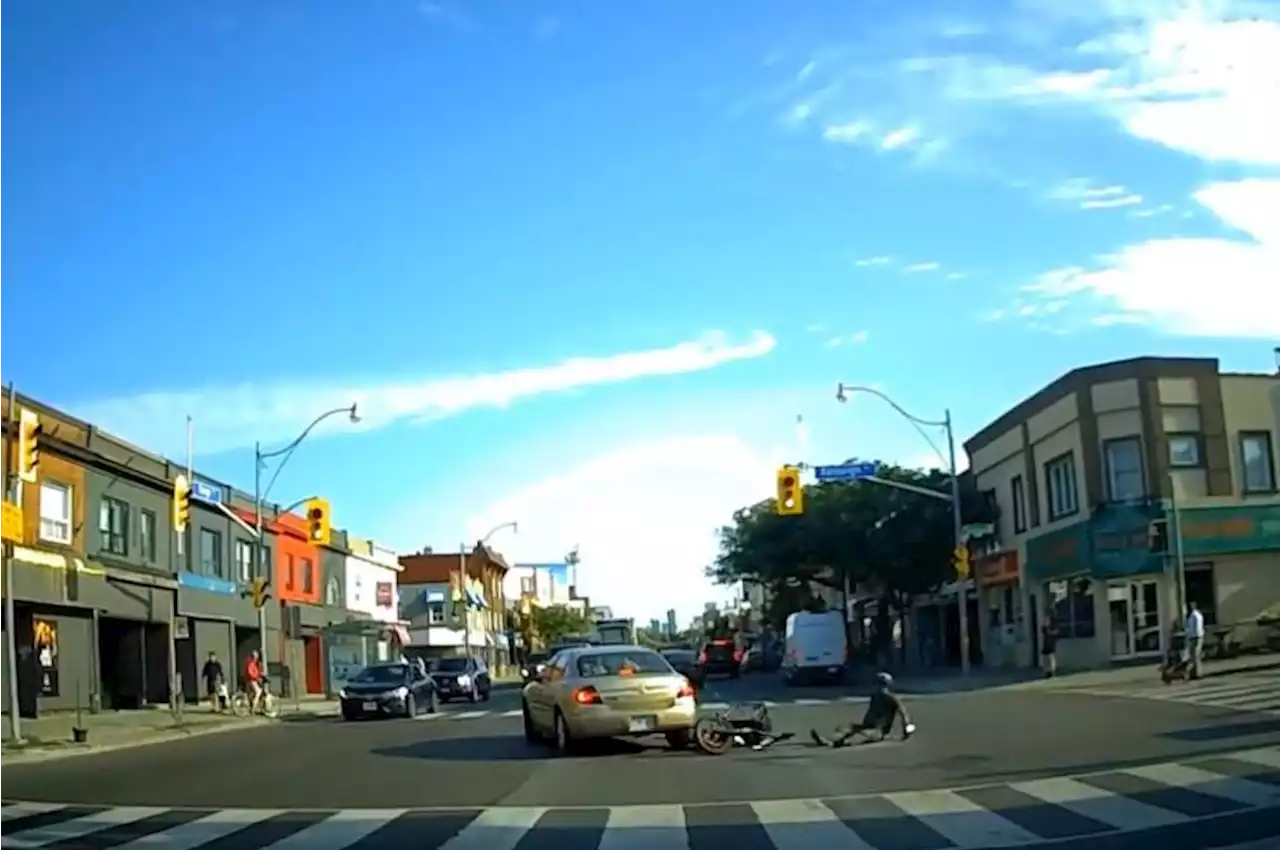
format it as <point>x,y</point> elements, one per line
<point>846,471</point>
<point>203,492</point>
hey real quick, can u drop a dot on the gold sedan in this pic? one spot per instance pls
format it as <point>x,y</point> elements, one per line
<point>608,692</point>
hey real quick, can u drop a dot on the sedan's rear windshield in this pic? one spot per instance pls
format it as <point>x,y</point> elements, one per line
<point>382,673</point>
<point>625,663</point>
<point>451,665</point>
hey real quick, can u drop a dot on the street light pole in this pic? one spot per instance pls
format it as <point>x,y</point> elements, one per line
<point>957,518</point>
<point>462,565</point>
<point>260,495</point>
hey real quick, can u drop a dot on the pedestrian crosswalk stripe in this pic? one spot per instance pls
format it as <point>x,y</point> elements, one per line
<point>1255,693</point>
<point>1053,809</point>
<point>468,715</point>
<point>515,712</point>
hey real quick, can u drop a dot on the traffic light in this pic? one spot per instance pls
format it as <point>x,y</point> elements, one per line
<point>258,592</point>
<point>181,503</point>
<point>29,433</point>
<point>960,560</point>
<point>318,529</point>
<point>790,498</point>
<point>1158,537</point>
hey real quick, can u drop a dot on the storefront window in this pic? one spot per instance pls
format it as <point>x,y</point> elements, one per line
<point>1071,601</point>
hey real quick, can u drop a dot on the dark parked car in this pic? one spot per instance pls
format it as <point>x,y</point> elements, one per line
<point>722,656</point>
<point>685,662</point>
<point>462,678</point>
<point>389,690</point>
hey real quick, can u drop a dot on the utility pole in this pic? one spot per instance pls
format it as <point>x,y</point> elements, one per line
<point>11,633</point>
<point>957,527</point>
<point>466,603</point>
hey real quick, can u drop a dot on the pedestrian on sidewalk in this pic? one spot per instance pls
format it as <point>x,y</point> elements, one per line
<point>1049,647</point>
<point>214,682</point>
<point>1195,639</point>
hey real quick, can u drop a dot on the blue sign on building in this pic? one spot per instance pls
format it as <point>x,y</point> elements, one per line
<point>203,491</point>
<point>213,584</point>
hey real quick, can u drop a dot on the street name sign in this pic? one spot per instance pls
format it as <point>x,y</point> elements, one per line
<point>846,471</point>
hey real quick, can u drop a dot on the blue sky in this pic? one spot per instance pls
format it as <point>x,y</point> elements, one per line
<point>584,264</point>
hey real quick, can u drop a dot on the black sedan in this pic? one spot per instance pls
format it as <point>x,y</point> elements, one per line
<point>533,666</point>
<point>393,689</point>
<point>685,662</point>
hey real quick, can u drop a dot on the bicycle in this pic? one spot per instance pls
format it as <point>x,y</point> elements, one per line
<point>268,705</point>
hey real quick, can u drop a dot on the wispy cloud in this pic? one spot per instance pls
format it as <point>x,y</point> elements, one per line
<point>872,262</point>
<point>1088,196</point>
<point>922,268</point>
<point>234,416</point>
<point>857,338</point>
<point>546,28</point>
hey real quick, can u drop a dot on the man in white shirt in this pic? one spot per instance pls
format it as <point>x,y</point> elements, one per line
<point>1195,639</point>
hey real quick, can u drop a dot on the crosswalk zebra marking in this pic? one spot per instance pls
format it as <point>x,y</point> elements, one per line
<point>468,715</point>
<point>1253,694</point>
<point>1018,814</point>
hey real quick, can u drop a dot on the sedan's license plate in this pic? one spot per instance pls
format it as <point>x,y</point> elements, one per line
<point>642,724</point>
<point>370,706</point>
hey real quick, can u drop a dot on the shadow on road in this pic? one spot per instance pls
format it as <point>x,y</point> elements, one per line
<point>1225,731</point>
<point>512,748</point>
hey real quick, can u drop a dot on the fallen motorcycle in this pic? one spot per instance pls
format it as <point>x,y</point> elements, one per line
<point>740,725</point>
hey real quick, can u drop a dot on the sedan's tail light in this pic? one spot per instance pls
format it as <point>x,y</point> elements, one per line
<point>702,658</point>
<point>686,691</point>
<point>587,696</point>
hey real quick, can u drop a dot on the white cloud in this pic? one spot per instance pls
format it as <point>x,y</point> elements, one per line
<point>871,262</point>
<point>898,138</point>
<point>957,275</point>
<point>234,416</point>
<point>1090,197</point>
<point>852,339</point>
<point>922,268</point>
<point>845,133</point>
<point>644,516</point>
<point>1192,286</point>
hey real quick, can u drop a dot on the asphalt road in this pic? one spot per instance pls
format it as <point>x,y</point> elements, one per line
<point>450,761</point>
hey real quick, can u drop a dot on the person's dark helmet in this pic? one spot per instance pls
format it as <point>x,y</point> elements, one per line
<point>884,680</point>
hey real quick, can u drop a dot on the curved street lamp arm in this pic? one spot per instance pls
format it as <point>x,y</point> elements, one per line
<point>916,421</point>
<point>287,451</point>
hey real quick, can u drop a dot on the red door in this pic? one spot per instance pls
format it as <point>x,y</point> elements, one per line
<point>314,665</point>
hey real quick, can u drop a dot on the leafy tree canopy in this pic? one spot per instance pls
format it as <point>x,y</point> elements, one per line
<point>879,536</point>
<point>557,622</point>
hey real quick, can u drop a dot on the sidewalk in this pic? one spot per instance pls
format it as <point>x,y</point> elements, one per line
<point>50,736</point>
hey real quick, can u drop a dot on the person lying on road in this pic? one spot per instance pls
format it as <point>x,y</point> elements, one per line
<point>877,723</point>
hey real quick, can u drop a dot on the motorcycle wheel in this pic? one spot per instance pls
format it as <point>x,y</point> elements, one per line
<point>709,738</point>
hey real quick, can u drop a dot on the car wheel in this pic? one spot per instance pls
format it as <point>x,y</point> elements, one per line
<point>488,692</point>
<point>410,706</point>
<point>565,745</point>
<point>681,739</point>
<point>531,734</point>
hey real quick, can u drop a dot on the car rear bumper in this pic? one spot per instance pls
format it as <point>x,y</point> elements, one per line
<point>599,721</point>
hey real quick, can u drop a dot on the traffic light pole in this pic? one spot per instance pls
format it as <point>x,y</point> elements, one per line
<point>957,527</point>
<point>11,632</point>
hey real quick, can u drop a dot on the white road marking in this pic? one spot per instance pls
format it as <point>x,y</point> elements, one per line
<point>805,825</point>
<point>961,821</point>
<point>495,829</point>
<point>645,828</point>
<point>1112,809</point>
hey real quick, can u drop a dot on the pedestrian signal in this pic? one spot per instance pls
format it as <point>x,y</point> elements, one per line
<point>29,433</point>
<point>960,560</point>
<point>790,497</point>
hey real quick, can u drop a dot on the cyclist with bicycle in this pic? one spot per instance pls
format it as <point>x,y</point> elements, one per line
<point>254,680</point>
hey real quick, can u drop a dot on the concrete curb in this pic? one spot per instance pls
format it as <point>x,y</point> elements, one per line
<point>38,755</point>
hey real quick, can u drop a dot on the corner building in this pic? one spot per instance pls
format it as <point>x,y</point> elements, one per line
<point>1083,470</point>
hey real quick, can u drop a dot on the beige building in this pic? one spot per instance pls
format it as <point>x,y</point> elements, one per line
<point>1097,470</point>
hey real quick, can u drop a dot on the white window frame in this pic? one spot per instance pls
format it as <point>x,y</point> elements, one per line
<point>1267,448</point>
<point>211,568</point>
<point>1124,484</point>
<point>1018,495</point>
<point>1061,492</point>
<point>49,526</point>
<point>244,561</point>
<point>1178,443</point>
<point>436,614</point>
<point>105,531</point>
<point>148,547</point>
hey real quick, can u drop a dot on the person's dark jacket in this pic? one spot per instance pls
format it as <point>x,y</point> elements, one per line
<point>884,708</point>
<point>212,673</point>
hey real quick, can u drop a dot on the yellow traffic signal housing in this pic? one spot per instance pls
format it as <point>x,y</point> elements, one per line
<point>790,498</point>
<point>181,503</point>
<point>29,432</point>
<point>960,560</point>
<point>258,592</point>
<point>318,528</point>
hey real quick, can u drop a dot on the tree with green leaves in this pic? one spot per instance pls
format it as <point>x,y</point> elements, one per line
<point>554,623</point>
<point>881,538</point>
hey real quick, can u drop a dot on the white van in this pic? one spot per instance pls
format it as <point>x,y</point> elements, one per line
<point>816,649</point>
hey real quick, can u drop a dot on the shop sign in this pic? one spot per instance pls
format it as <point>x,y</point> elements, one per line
<point>1230,529</point>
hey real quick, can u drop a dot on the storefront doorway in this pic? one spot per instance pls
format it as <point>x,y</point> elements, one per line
<point>1135,618</point>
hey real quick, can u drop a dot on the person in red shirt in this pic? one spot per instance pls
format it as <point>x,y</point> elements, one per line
<point>253,680</point>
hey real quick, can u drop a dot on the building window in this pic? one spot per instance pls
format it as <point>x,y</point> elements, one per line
<point>147,535</point>
<point>264,569</point>
<point>1018,490</point>
<point>211,553</point>
<point>1123,458</point>
<point>288,572</point>
<point>526,585</point>
<point>1060,486</point>
<point>435,613</point>
<point>1071,603</point>
<point>244,560</point>
<point>332,593</point>
<point>1184,451</point>
<point>1256,460</point>
<point>308,576</point>
<point>55,512</point>
<point>113,526</point>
